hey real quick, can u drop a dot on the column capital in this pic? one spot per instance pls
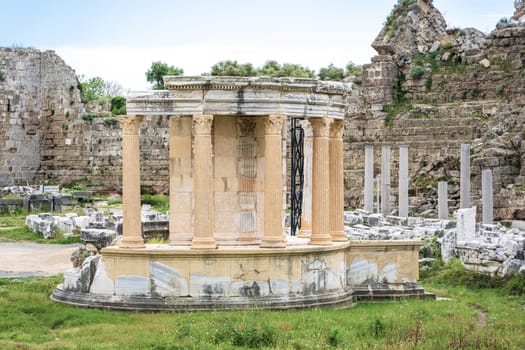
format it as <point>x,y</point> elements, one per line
<point>247,126</point>
<point>202,124</point>
<point>130,124</point>
<point>337,128</point>
<point>273,124</point>
<point>321,126</point>
<point>307,127</point>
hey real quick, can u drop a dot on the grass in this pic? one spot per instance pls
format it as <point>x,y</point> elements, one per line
<point>477,317</point>
<point>12,228</point>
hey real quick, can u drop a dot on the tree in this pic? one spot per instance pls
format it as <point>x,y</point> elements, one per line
<point>331,73</point>
<point>113,88</point>
<point>353,69</point>
<point>272,68</point>
<point>232,68</point>
<point>92,89</point>
<point>158,70</point>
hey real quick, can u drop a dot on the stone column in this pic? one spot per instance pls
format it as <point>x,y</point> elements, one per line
<point>487,197</point>
<point>443,200</point>
<point>306,217</point>
<point>181,181</point>
<point>320,183</point>
<point>131,225</point>
<point>369,179</point>
<point>273,183</point>
<point>203,183</point>
<point>336,185</point>
<point>247,158</point>
<point>385,180</point>
<point>464,186</point>
<point>378,194</point>
<point>403,181</point>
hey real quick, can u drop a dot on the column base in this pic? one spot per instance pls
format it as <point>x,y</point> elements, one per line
<point>338,236</point>
<point>132,242</point>
<point>304,233</point>
<point>181,238</point>
<point>320,240</point>
<point>203,243</point>
<point>273,242</point>
<point>246,238</point>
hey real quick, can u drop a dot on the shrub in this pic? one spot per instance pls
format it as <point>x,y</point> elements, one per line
<point>118,105</point>
<point>67,114</point>
<point>2,75</point>
<point>417,72</point>
<point>110,121</point>
<point>499,90</point>
<point>88,116</point>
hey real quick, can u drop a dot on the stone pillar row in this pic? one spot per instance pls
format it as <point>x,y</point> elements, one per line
<point>327,182</point>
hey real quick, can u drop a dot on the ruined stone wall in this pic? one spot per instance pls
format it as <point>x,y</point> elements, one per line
<point>447,88</point>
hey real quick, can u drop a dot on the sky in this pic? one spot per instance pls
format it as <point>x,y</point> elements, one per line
<point>119,39</point>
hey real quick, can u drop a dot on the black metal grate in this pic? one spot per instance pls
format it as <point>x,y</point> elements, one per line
<point>297,174</point>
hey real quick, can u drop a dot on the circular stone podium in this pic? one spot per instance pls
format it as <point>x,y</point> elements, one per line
<point>227,180</point>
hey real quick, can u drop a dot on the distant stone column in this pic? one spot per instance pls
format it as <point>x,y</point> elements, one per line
<point>203,183</point>
<point>273,236</point>
<point>385,180</point>
<point>369,179</point>
<point>306,210</point>
<point>336,185</point>
<point>464,195</point>
<point>320,183</point>
<point>378,194</point>
<point>443,200</point>
<point>131,225</point>
<point>403,181</point>
<point>487,197</point>
<point>181,181</point>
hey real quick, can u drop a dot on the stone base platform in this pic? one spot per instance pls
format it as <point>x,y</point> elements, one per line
<point>168,278</point>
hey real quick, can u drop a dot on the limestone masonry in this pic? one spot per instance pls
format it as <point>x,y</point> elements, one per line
<point>430,88</point>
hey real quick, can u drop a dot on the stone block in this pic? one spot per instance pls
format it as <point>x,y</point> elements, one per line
<point>132,286</point>
<point>466,224</point>
<point>167,281</point>
<point>209,286</point>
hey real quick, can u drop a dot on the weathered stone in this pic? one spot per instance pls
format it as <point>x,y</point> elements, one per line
<point>167,281</point>
<point>132,286</point>
<point>99,237</point>
<point>466,224</point>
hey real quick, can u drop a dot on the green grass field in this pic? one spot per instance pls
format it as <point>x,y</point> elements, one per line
<point>486,315</point>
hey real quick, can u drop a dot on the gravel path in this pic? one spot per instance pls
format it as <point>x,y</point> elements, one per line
<point>34,259</point>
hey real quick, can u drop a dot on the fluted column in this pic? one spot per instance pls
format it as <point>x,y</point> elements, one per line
<point>320,183</point>
<point>203,183</point>
<point>337,188</point>
<point>181,181</point>
<point>131,224</point>
<point>273,183</point>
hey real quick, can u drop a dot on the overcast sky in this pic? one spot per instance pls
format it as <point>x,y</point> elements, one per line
<point>118,39</point>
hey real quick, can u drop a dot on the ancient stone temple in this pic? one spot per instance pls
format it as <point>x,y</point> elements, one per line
<point>228,247</point>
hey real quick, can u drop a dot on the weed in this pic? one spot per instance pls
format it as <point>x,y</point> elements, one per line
<point>499,90</point>
<point>159,202</point>
<point>2,75</point>
<point>88,116</point>
<point>417,72</point>
<point>110,121</point>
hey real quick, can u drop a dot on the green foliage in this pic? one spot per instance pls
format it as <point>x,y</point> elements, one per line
<point>110,121</point>
<point>353,69</point>
<point>159,240</point>
<point>293,70</point>
<point>30,320</point>
<point>88,116</point>
<point>23,233</point>
<point>159,69</point>
<point>249,333</point>
<point>331,73</point>
<point>2,75</point>
<point>92,89</point>
<point>67,114</point>
<point>399,9</point>
<point>499,90</point>
<point>232,68</point>
<point>417,72</point>
<point>159,202</point>
<point>118,105</point>
<point>503,20</point>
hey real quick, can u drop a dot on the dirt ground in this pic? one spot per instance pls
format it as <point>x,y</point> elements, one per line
<point>34,259</point>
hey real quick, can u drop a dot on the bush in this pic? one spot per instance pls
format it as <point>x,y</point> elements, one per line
<point>2,75</point>
<point>118,105</point>
<point>417,72</point>
<point>110,121</point>
<point>88,116</point>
